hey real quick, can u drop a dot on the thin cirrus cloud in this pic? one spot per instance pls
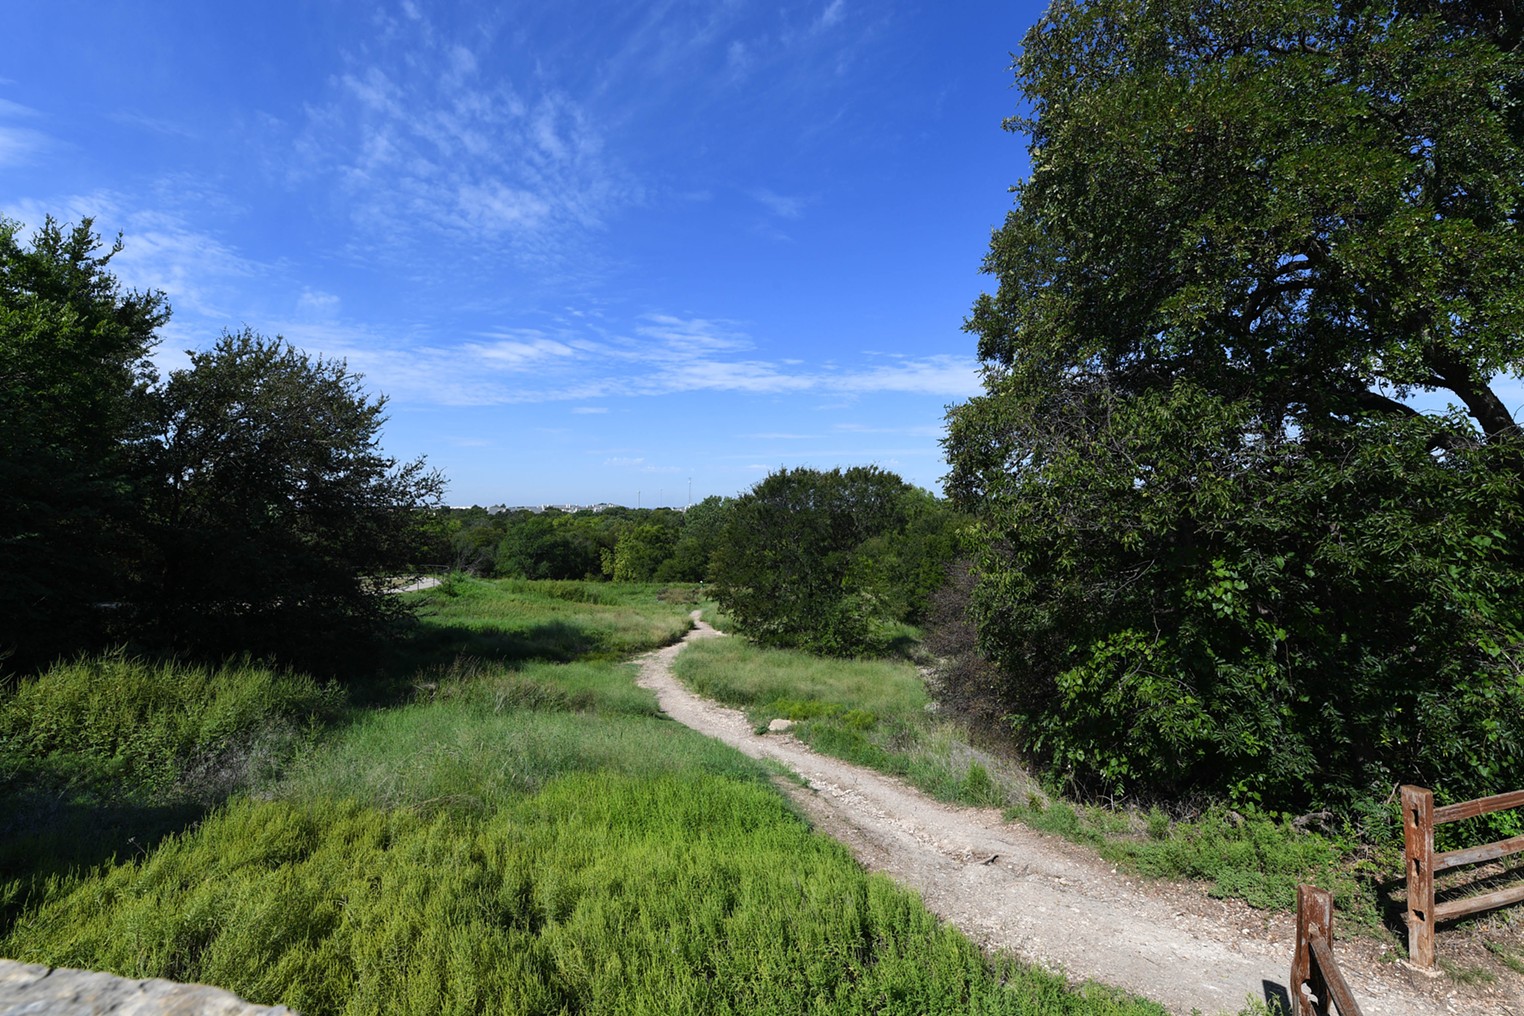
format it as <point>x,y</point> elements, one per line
<point>667,356</point>
<point>781,205</point>
<point>422,137</point>
<point>203,276</point>
<point>20,145</point>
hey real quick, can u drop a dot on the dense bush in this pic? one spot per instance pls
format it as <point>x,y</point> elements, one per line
<point>74,375</point>
<point>243,504</point>
<point>1284,627</point>
<point>832,561</point>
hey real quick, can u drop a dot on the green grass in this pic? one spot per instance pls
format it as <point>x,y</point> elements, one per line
<point>870,712</point>
<point>1254,858</point>
<point>873,713</point>
<point>716,617</point>
<point>510,620</point>
<point>122,725</point>
<point>103,756</point>
<point>486,739</point>
<point>770,683</point>
<point>517,836</point>
<point>602,893</point>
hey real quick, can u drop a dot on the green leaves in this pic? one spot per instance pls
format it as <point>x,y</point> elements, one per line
<point>268,464</point>
<point>74,371</point>
<point>1215,549</point>
<point>831,561</point>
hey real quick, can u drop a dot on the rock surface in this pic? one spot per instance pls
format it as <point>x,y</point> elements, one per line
<point>26,988</point>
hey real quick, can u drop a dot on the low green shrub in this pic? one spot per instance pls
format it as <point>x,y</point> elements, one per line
<point>130,729</point>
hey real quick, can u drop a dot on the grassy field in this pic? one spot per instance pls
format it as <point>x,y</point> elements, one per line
<point>875,713</point>
<point>513,619</point>
<point>521,836</point>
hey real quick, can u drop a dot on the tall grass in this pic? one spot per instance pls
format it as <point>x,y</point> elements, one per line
<point>483,740</point>
<point>519,836</point>
<point>104,757</point>
<point>873,713</point>
<point>603,893</point>
<point>771,683</point>
<point>129,729</point>
<point>870,712</point>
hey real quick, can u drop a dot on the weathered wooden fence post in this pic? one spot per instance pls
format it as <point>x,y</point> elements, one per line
<point>1317,984</point>
<point>1418,846</point>
<point>1314,919</point>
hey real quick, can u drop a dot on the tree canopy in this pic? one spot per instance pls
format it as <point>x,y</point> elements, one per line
<point>242,505</point>
<point>831,561</point>
<point>1218,546</point>
<point>274,512</point>
<point>74,378</point>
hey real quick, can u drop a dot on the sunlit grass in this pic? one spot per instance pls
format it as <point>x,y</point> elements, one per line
<point>516,619</point>
<point>123,724</point>
<point>105,755</point>
<point>772,683</point>
<point>869,712</point>
<point>515,835</point>
<point>603,893</point>
<point>484,741</point>
<point>873,713</point>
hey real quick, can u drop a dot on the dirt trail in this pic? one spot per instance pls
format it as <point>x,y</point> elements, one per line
<point>1050,902</point>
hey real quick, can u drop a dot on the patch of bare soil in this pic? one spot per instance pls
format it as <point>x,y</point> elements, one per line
<point>1056,904</point>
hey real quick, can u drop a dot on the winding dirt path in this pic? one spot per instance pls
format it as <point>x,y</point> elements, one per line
<point>1009,887</point>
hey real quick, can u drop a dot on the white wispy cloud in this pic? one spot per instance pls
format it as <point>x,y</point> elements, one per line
<point>518,354</point>
<point>781,205</point>
<point>156,125</point>
<point>20,145</point>
<point>422,138</point>
<point>202,275</point>
<point>16,110</point>
<point>663,355</point>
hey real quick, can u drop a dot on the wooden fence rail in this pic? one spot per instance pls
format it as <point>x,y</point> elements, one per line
<point>1315,976</point>
<point>1419,817</point>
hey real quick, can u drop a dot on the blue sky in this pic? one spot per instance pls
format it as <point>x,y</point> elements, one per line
<point>591,251</point>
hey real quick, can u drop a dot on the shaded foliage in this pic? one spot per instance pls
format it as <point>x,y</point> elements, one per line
<point>243,505</point>
<point>274,514</point>
<point>74,374</point>
<point>1216,550</point>
<point>830,561</point>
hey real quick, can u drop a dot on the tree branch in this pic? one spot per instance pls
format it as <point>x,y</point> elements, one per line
<point>1481,401</point>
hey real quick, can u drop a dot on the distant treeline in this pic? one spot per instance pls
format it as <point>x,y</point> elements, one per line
<point>616,543</point>
<point>834,561</point>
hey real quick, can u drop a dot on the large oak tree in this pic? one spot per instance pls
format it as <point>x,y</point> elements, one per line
<point>1222,549</point>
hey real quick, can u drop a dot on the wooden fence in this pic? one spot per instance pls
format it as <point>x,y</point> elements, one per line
<point>1315,977</point>
<point>1419,817</point>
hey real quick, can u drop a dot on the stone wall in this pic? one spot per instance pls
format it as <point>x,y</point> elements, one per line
<point>29,989</point>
